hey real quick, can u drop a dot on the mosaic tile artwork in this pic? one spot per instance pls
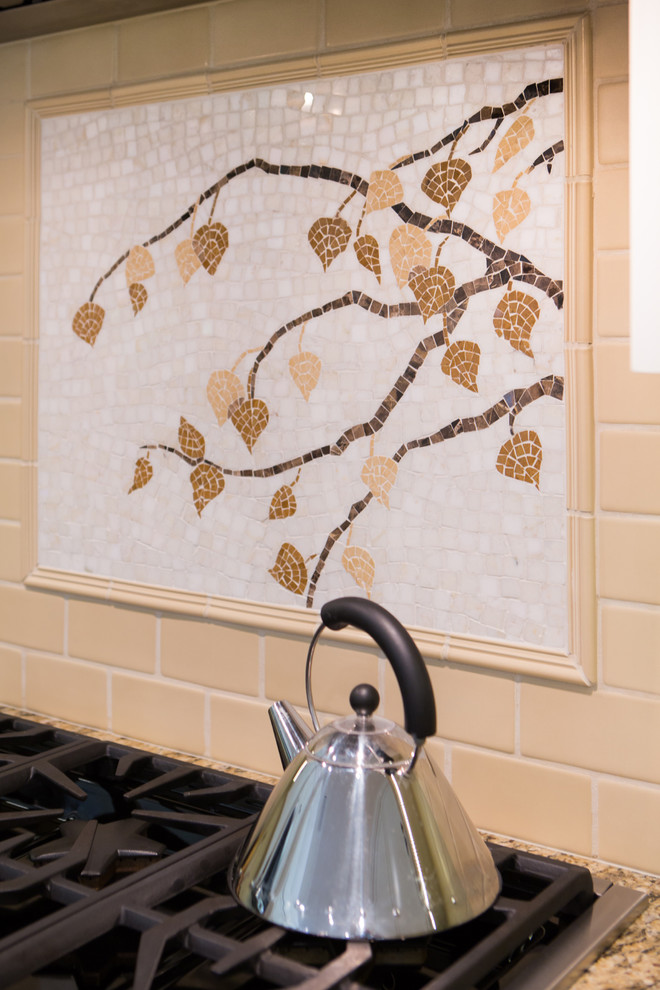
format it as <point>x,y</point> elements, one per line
<point>307,340</point>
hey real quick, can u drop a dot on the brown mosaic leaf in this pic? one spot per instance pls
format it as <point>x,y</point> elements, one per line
<point>186,259</point>
<point>359,563</point>
<point>139,264</point>
<point>290,569</point>
<point>368,253</point>
<point>409,247</point>
<point>444,183</point>
<point>510,208</point>
<point>209,244</point>
<point>223,388</point>
<point>514,319</point>
<point>516,138</point>
<point>520,457</point>
<point>461,363</point>
<point>250,417</point>
<point>329,236</point>
<point>88,321</point>
<point>385,190</point>
<point>283,503</point>
<point>139,296</point>
<point>207,482</point>
<point>305,369</point>
<point>143,473</point>
<point>191,440</point>
<point>432,288</point>
<point>379,474</point>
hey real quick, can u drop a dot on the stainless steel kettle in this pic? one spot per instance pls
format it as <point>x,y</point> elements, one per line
<point>363,838</point>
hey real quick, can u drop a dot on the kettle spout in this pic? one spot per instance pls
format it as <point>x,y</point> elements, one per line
<point>291,730</point>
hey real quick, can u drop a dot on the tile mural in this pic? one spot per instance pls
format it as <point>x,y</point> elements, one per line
<point>307,340</point>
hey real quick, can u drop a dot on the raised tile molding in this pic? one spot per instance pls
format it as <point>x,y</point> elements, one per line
<point>563,374</point>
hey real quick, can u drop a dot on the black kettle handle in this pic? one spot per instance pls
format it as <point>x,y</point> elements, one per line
<point>399,647</point>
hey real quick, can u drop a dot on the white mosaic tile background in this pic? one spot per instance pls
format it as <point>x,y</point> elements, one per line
<point>461,548</point>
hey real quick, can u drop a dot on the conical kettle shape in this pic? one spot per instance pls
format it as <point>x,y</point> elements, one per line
<point>363,838</point>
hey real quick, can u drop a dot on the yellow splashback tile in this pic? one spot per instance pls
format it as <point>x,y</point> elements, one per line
<point>373,20</point>
<point>241,734</point>
<point>11,685</point>
<point>11,306</point>
<point>610,31</point>
<point>12,239</point>
<point>72,61</point>
<point>613,123</point>
<point>257,28</point>
<point>613,294</point>
<point>163,45</point>
<point>206,653</point>
<point>631,647</point>
<point>31,618</point>
<point>11,568</point>
<point>611,209</point>
<point>167,714</point>
<point>106,634</point>
<point>11,368</point>
<point>630,471</point>
<point>624,396</point>
<point>628,816</point>
<point>12,173</point>
<point>628,559</point>
<point>75,691</point>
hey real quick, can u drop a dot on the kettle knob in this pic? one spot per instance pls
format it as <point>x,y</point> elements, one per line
<point>364,699</point>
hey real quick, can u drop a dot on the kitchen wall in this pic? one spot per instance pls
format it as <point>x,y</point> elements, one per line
<point>569,767</point>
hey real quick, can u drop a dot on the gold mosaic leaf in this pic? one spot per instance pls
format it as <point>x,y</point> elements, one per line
<point>250,417</point>
<point>520,457</point>
<point>368,253</point>
<point>514,319</point>
<point>516,138</point>
<point>409,247</point>
<point>385,190</point>
<point>88,321</point>
<point>283,503</point>
<point>139,264</point>
<point>290,569</point>
<point>432,288</point>
<point>143,473</point>
<point>191,440</point>
<point>305,369</point>
<point>223,388</point>
<point>186,259</point>
<point>209,244</point>
<point>359,563</point>
<point>379,474</point>
<point>510,208</point>
<point>329,236</point>
<point>461,363</point>
<point>207,482</point>
<point>444,183</point>
<point>139,296</point>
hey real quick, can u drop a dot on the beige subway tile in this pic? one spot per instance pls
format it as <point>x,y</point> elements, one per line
<point>523,799</point>
<point>629,559</point>
<point>11,690</point>
<point>11,306</point>
<point>613,295</point>
<point>477,13</point>
<point>630,471</point>
<point>163,45</point>
<point>12,172</point>
<point>72,61</point>
<point>207,653</point>
<point>11,568</point>
<point>348,23</point>
<point>611,209</point>
<point>108,634</point>
<point>11,367</point>
<point>610,41</point>
<point>31,618</point>
<point>10,490</point>
<point>629,825</point>
<point>250,29</point>
<point>12,128</point>
<point>155,711</point>
<point>241,735</point>
<point>10,428</point>
<point>12,240</point>
<point>631,647</point>
<point>603,731</point>
<point>622,395</point>
<point>13,79</point>
<point>613,123</point>
<point>73,691</point>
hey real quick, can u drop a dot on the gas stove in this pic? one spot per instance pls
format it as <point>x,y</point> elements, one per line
<point>114,873</point>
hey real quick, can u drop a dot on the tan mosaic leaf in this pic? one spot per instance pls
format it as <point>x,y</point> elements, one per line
<point>445,182</point>
<point>359,563</point>
<point>250,417</point>
<point>516,138</point>
<point>209,244</point>
<point>379,474</point>
<point>223,388</point>
<point>305,369</point>
<point>290,569</point>
<point>368,253</point>
<point>329,236</point>
<point>191,440</point>
<point>186,259</point>
<point>520,457</point>
<point>143,473</point>
<point>283,503</point>
<point>207,482</point>
<point>409,247</point>
<point>139,264</point>
<point>432,288</point>
<point>88,321</point>
<point>461,363</point>
<point>514,319</point>
<point>385,190</point>
<point>510,208</point>
<point>139,296</point>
